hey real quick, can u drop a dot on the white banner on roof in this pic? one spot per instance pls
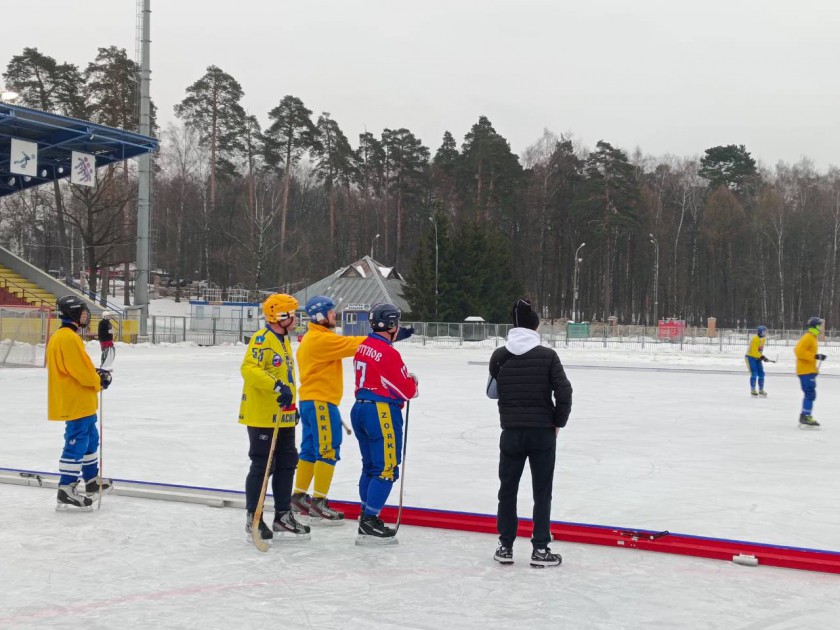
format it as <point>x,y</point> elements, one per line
<point>24,157</point>
<point>83,169</point>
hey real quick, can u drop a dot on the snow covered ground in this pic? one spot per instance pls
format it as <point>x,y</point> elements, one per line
<point>687,451</point>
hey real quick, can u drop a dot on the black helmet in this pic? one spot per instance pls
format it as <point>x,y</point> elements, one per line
<point>73,308</point>
<point>384,317</point>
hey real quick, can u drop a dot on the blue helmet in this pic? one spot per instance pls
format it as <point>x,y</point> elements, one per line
<point>815,322</point>
<point>318,306</point>
<point>762,331</point>
<point>384,317</point>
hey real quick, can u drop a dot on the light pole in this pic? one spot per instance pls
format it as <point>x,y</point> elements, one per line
<point>432,219</point>
<point>575,282</point>
<point>655,281</point>
<point>372,243</point>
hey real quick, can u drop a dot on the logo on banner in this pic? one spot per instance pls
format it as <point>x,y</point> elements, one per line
<point>83,169</point>
<point>24,157</point>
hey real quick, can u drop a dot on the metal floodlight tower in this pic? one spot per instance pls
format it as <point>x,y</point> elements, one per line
<point>144,193</point>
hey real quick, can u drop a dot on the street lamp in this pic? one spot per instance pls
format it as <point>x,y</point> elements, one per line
<point>432,219</point>
<point>655,281</point>
<point>575,289</point>
<point>372,243</point>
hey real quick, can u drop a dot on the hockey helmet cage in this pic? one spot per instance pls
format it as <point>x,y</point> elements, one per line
<point>384,317</point>
<point>278,307</point>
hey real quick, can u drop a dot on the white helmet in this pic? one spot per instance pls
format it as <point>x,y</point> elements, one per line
<point>107,314</point>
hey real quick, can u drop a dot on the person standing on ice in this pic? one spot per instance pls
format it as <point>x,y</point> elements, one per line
<point>524,376</point>
<point>755,360</point>
<point>383,385</point>
<point>72,387</point>
<point>807,370</point>
<point>321,387</point>
<point>268,404</point>
<point>106,339</point>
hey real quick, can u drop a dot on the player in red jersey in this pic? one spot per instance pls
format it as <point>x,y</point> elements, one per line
<point>383,384</point>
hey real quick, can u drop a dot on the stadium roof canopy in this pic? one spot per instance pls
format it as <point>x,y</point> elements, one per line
<point>57,137</point>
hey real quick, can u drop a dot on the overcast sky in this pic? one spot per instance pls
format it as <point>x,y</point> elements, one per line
<point>656,74</point>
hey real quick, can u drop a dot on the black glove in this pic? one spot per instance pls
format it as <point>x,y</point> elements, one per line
<point>404,333</point>
<point>820,357</point>
<point>284,394</point>
<point>104,378</point>
<point>763,358</point>
<point>297,417</point>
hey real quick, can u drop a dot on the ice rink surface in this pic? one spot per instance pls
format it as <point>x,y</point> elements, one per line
<point>650,447</point>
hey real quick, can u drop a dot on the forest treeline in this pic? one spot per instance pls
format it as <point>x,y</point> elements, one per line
<point>282,199</point>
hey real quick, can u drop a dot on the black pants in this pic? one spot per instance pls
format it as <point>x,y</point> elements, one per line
<point>282,468</point>
<point>538,446</point>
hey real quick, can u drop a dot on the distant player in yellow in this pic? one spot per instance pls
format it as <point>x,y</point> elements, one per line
<point>807,370</point>
<point>755,359</point>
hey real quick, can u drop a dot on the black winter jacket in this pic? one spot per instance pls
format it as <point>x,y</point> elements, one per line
<point>525,384</point>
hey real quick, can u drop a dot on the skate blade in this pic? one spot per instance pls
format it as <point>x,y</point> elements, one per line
<point>64,507</point>
<point>317,521</point>
<point>291,537</point>
<point>504,563</point>
<point>809,427</point>
<point>364,540</point>
<point>543,565</point>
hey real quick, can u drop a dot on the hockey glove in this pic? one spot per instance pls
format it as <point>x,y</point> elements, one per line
<point>404,333</point>
<point>763,358</point>
<point>284,394</point>
<point>820,357</point>
<point>104,378</point>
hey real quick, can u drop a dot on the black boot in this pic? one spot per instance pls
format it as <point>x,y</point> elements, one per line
<point>265,532</point>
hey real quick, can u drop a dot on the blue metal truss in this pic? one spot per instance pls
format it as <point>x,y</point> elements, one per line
<point>57,137</point>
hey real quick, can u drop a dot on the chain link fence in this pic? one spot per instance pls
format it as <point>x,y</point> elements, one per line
<point>208,331</point>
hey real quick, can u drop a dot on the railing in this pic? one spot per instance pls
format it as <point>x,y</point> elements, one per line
<point>95,297</point>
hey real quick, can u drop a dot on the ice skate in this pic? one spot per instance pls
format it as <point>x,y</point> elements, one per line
<point>754,393</point>
<point>372,531</point>
<point>542,558</point>
<point>288,528</point>
<point>265,532</point>
<point>320,513</point>
<point>69,500</point>
<point>92,488</point>
<point>808,422</point>
<point>301,503</point>
<point>503,555</point>
<point>762,393</point>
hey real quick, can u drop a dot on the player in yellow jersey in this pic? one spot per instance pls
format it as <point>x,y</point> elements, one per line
<point>755,359</point>
<point>807,369</point>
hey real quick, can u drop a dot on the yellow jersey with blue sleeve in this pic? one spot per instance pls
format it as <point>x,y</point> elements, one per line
<point>756,350</point>
<point>319,361</point>
<point>267,360</point>
<point>806,354</point>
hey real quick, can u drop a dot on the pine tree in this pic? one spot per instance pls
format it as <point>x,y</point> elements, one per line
<point>291,134</point>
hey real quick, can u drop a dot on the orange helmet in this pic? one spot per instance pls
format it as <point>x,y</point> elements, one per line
<point>278,307</point>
